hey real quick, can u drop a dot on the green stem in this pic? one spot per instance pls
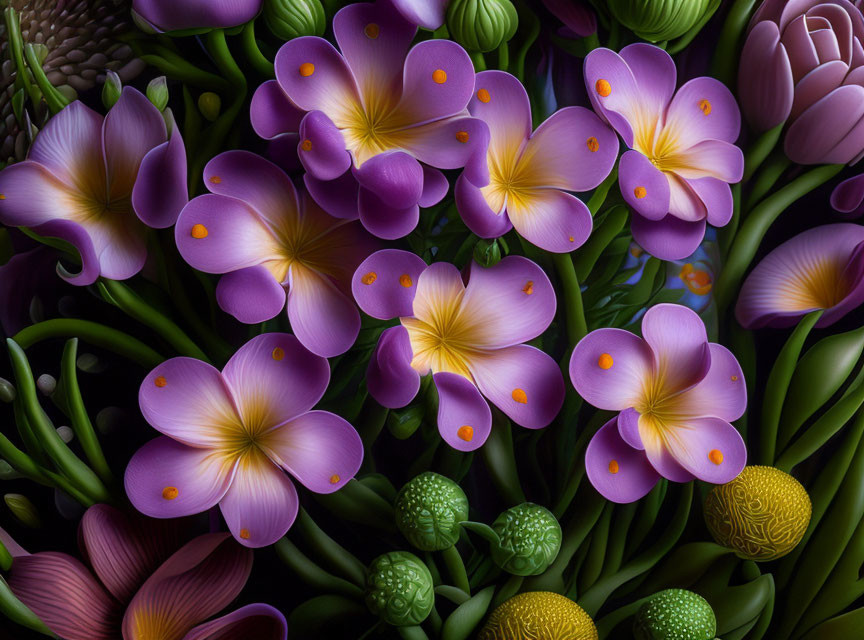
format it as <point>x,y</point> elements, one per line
<point>304,569</point>
<point>500,460</point>
<point>727,52</point>
<point>15,610</point>
<point>757,224</point>
<point>253,53</point>
<point>766,179</point>
<point>456,568</point>
<point>573,308</point>
<point>334,554</point>
<point>533,31</point>
<point>187,74</point>
<point>760,149</point>
<point>138,309</point>
<point>55,100</point>
<point>504,56</point>
<point>93,333</point>
<point>479,61</point>
<point>16,52</point>
<point>600,193</point>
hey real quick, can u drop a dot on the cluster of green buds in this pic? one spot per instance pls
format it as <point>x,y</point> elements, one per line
<point>399,589</point>
<point>429,510</point>
<point>675,614</point>
<point>661,20</point>
<point>289,19</point>
<point>529,538</point>
<point>481,25</point>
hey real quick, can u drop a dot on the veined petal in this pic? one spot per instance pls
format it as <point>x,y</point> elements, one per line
<point>188,400</point>
<point>722,393</point>
<point>509,303</point>
<point>765,83</point>
<point>619,472</point>
<point>261,504</point>
<point>390,378</point>
<point>669,238</point>
<point>827,125</point>
<point>200,579</point>
<point>65,596</point>
<point>522,381</point>
<point>251,295</point>
<point>654,439</point>
<point>119,240</point>
<point>644,187</point>
<point>259,621</point>
<point>385,283</point>
<point>655,74</point>
<point>320,449</point>
<point>272,113</point>
<point>817,83</point>
<point>676,335</point>
<point>274,378</point>
<point>710,158</point>
<point>550,219</point>
<point>451,143</point>
<point>610,367</point>
<point>464,417</point>
<point>709,448</point>
<point>32,196</point>
<point>476,211</point>
<point>167,479</point>
<point>439,293</point>
<point>703,109</point>
<point>501,102</point>
<point>684,203</point>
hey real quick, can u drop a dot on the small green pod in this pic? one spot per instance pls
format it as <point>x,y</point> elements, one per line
<point>399,589</point>
<point>481,25</point>
<point>429,510</point>
<point>529,539</point>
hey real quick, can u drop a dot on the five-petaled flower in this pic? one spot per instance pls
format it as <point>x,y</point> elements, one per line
<point>253,228</point>
<point>468,337</point>
<point>529,174</point>
<point>231,435</point>
<point>373,114</point>
<point>681,160</point>
<point>98,183</point>
<point>677,394</point>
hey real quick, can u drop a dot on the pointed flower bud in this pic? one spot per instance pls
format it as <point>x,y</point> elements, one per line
<point>111,89</point>
<point>23,509</point>
<point>157,92</point>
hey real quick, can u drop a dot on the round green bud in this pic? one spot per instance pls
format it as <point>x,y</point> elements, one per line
<point>399,589</point>
<point>656,20</point>
<point>157,92</point>
<point>481,25</point>
<point>675,614</point>
<point>24,510</point>
<point>7,391</point>
<point>289,19</point>
<point>111,89</point>
<point>529,539</point>
<point>428,511</point>
<point>209,104</point>
<point>487,253</point>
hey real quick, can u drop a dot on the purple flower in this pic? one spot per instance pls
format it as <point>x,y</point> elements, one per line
<point>253,228</point>
<point>848,197</point>
<point>428,14</point>
<point>230,437</point>
<point>142,582</point>
<point>675,176</point>
<point>98,183</point>
<point>800,64</point>
<point>676,393</point>
<point>468,337</point>
<point>530,174</point>
<point>373,114</point>
<point>173,15</point>
<point>821,268</point>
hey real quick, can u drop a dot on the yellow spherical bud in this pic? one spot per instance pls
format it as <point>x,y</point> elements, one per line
<point>539,615</point>
<point>762,514</point>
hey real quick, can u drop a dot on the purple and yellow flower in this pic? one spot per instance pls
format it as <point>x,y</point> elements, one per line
<point>230,436</point>
<point>142,582</point>
<point>469,337</point>
<point>272,245</point>
<point>373,114</point>
<point>174,15</point>
<point>98,183</point>
<point>676,393</point>
<point>821,268</point>
<point>531,173</point>
<point>676,175</point>
<point>803,64</point>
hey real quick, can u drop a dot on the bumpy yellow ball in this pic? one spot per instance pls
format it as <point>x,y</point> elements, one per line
<point>762,514</point>
<point>539,615</point>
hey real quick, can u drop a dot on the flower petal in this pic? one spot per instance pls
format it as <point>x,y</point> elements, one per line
<point>460,405</point>
<point>476,212</point>
<point>320,449</point>
<point>657,451</point>
<point>429,95</point>
<point>765,83</point>
<point>322,147</point>
<point>251,295</point>
<point>505,110</point>
<point>619,472</point>
<point>383,220</point>
<point>614,382</point>
<point>510,303</point>
<point>722,393</point>
<point>643,186</point>
<point>32,196</point>
<point>676,335</point>
<point>337,197</point>
<point>522,381</point>
<point>435,187</point>
<point>655,74</point>
<point>848,196</point>
<point>274,378</point>
<point>200,579</point>
<point>324,319</point>
<point>551,219</point>
<point>196,14</point>
<point>65,596</point>
<point>394,177</point>
<point>669,238</point>
<point>615,94</point>
<point>272,113</point>
<point>188,400</point>
<point>709,448</point>
<point>160,190</point>
<point>703,109</point>
<point>199,478</point>
<point>716,195</point>
<point>817,83</point>
<point>259,621</point>
<point>379,287</point>
<point>390,378</point>
<point>77,236</point>
<point>628,428</point>
<point>827,125</point>
<point>261,504</point>
<point>428,14</point>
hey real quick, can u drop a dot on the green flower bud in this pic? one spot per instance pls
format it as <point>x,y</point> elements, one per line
<point>209,104</point>
<point>481,25</point>
<point>7,391</point>
<point>289,19</point>
<point>402,423</point>
<point>487,253</point>
<point>529,539</point>
<point>157,92</point>
<point>675,614</point>
<point>111,89</point>
<point>428,511</point>
<point>656,20</point>
<point>7,472</point>
<point>399,589</point>
<point>23,509</point>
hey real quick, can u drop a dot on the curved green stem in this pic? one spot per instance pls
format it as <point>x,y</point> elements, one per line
<point>500,460</point>
<point>329,550</point>
<point>93,333</point>
<point>727,52</point>
<point>456,568</point>
<point>759,150</point>
<point>479,61</point>
<point>253,53</point>
<point>766,179</point>
<point>310,573</point>
<point>574,311</point>
<point>53,98</point>
<point>504,56</point>
<point>16,53</point>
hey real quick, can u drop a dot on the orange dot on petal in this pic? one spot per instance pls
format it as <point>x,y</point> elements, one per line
<point>244,533</point>
<point>439,76</point>
<point>734,378</point>
<point>405,280</point>
<point>215,179</point>
<point>169,493</point>
<point>705,106</point>
<point>528,289</point>
<point>372,30</point>
<point>2,196</point>
<point>593,144</point>
<point>603,87</point>
<point>334,479</point>
<point>369,278</point>
<point>466,433</point>
<point>306,145</point>
<point>640,192</point>
<point>520,396</point>
<point>307,69</point>
<point>462,136</point>
<point>483,95</point>
<point>572,239</point>
<point>613,466</point>
<point>199,231</point>
<point>160,381</point>
<point>605,361</point>
<point>715,456</point>
<point>278,353</point>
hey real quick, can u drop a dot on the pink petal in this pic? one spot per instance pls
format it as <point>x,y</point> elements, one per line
<point>272,113</point>
<point>262,502</point>
<point>425,99</point>
<point>251,295</point>
<point>551,219</point>
<point>655,74</point>
<point>668,239</point>
<point>689,118</point>
<point>428,14</point>
<point>644,187</point>
<point>828,124</point>
<point>390,378</point>
<point>765,83</point>
<point>167,479</point>
<point>379,284</point>
<point>506,111</point>
<point>621,106</point>
<point>798,43</point>
<point>619,472</point>
<point>711,158</point>
<point>451,143</point>
<point>258,621</point>
<point>477,213</point>
<point>722,393</point>
<point>464,417</point>
<point>32,196</point>
<point>695,446</point>
<point>676,335</point>
<point>322,147</point>
<point>659,455</point>
<point>817,83</point>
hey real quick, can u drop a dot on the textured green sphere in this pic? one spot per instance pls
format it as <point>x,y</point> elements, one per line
<point>428,511</point>
<point>290,19</point>
<point>656,20</point>
<point>762,514</point>
<point>530,538</point>
<point>675,614</point>
<point>399,589</point>
<point>481,25</point>
<point>539,615</point>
